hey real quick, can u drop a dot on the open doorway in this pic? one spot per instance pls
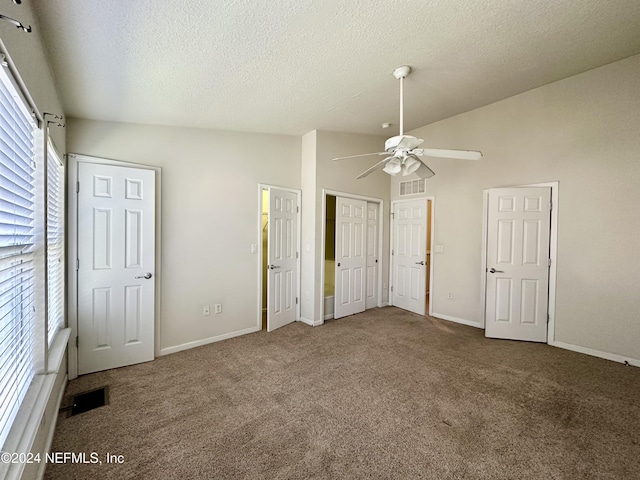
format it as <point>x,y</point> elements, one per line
<point>412,234</point>
<point>279,257</point>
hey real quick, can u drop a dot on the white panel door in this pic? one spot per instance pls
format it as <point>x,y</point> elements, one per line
<point>351,261</point>
<point>116,254</point>
<point>371,293</point>
<point>518,224</point>
<point>410,255</point>
<point>282,281</point>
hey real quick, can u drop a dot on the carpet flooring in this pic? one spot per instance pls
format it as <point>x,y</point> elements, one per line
<point>381,395</point>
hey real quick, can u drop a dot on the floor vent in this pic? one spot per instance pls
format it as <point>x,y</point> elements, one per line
<point>413,187</point>
<point>83,402</point>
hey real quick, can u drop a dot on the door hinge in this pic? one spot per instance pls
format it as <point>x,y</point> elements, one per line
<point>393,215</point>
<point>77,341</point>
<point>77,264</point>
<point>549,262</point>
<point>297,209</point>
<point>296,300</point>
<point>297,254</point>
<point>77,187</point>
<point>550,206</point>
<point>392,288</point>
<point>391,252</point>
<point>547,318</point>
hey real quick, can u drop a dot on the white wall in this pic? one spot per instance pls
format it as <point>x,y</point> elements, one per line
<point>584,132</point>
<point>210,216</point>
<point>323,173</point>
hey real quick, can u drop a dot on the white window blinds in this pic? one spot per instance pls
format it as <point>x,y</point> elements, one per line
<point>17,291</point>
<point>55,243</point>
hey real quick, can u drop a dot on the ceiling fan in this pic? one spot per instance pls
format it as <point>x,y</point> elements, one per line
<point>402,154</point>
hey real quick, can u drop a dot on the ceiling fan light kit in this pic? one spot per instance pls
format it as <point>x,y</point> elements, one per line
<point>403,154</point>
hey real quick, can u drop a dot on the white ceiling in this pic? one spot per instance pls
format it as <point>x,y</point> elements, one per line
<point>291,66</point>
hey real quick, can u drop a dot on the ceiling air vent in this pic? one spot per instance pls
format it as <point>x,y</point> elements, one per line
<point>413,187</point>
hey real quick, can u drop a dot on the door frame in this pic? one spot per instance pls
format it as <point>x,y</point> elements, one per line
<point>553,255</point>
<point>73,165</point>
<point>432,241</point>
<point>323,235</point>
<point>261,187</point>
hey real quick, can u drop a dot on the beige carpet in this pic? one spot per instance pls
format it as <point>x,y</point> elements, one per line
<point>381,395</point>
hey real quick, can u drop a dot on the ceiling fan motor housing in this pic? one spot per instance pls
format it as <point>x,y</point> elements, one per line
<point>406,142</point>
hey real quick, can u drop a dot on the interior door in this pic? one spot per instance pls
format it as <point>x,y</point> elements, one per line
<point>282,280</point>
<point>518,226</point>
<point>410,255</point>
<point>371,283</point>
<point>351,261</point>
<point>116,260</point>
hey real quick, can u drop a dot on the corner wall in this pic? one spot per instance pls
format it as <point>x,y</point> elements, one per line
<point>582,132</point>
<point>324,173</point>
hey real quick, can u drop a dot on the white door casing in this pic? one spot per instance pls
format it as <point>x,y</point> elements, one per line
<point>116,249</point>
<point>517,277</point>
<point>282,279</point>
<point>351,261</point>
<point>373,212</point>
<point>409,256</point>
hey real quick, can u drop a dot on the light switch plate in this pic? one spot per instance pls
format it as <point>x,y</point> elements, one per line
<point>439,248</point>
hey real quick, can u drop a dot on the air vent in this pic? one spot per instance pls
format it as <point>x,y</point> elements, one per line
<point>86,401</point>
<point>413,187</point>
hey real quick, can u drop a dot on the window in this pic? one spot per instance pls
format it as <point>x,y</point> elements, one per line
<point>55,242</point>
<point>17,232</point>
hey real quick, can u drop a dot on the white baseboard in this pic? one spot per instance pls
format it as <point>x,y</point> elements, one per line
<point>385,304</point>
<point>307,321</point>
<point>328,316</point>
<point>311,323</point>
<point>206,341</point>
<point>456,320</point>
<point>597,353</point>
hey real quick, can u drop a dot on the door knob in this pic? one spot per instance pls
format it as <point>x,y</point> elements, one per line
<point>493,270</point>
<point>146,275</point>
<point>338,263</point>
<point>273,267</point>
<point>420,263</point>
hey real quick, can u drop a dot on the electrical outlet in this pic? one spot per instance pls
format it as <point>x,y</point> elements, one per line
<point>449,294</point>
<point>218,308</point>
<point>254,248</point>
<point>205,310</point>
<point>439,248</point>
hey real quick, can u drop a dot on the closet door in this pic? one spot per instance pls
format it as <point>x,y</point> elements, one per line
<point>372,239</point>
<point>351,258</point>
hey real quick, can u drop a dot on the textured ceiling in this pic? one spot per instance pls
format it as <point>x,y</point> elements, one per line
<point>291,66</point>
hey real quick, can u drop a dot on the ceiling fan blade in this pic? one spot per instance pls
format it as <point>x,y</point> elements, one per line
<point>424,172</point>
<point>362,155</point>
<point>375,167</point>
<point>440,152</point>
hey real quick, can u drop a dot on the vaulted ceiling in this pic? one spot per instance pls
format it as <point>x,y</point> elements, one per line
<point>291,66</point>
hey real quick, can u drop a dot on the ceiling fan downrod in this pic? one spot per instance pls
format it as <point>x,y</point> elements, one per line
<point>400,73</point>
